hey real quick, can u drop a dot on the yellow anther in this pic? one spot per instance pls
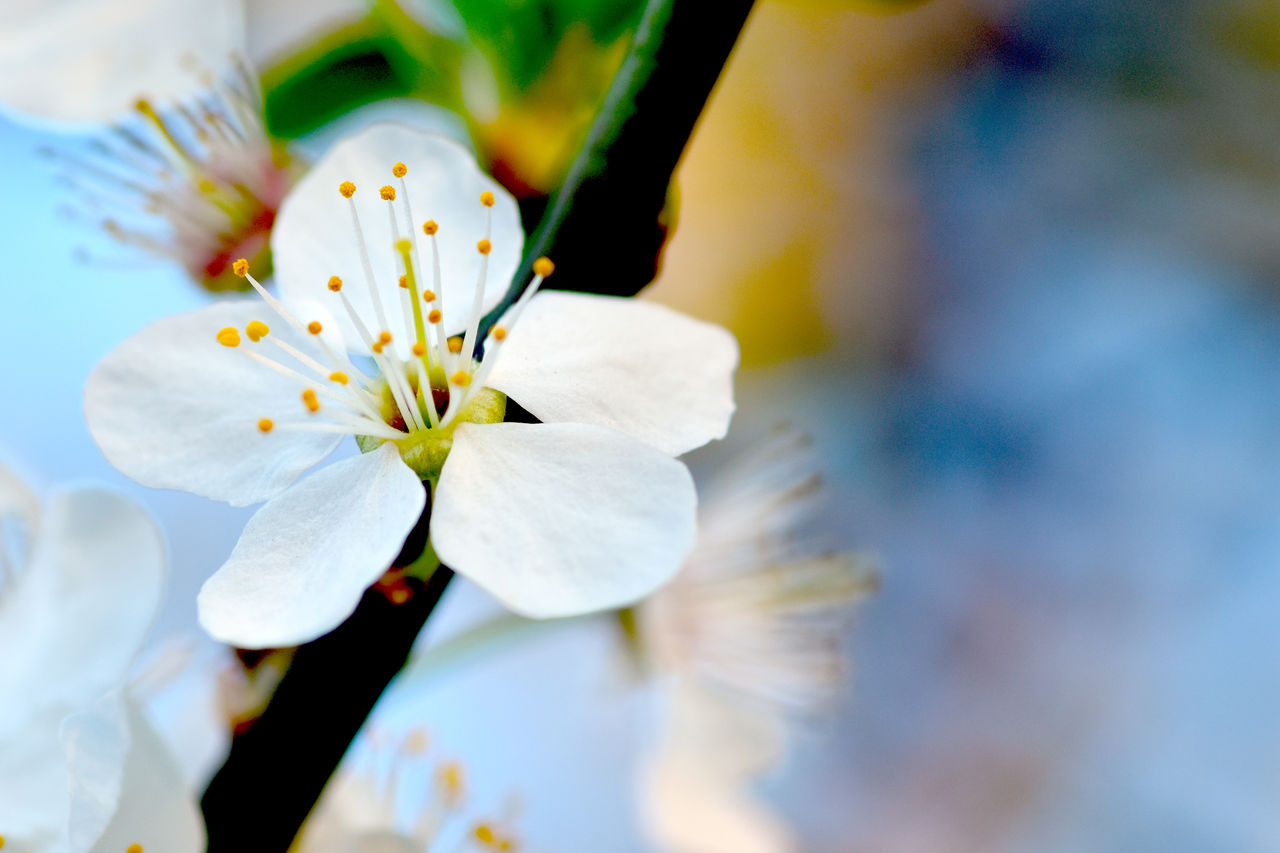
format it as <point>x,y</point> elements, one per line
<point>451,777</point>
<point>310,400</point>
<point>399,170</point>
<point>144,106</point>
<point>384,336</point>
<point>266,424</point>
<point>335,283</point>
<point>404,282</point>
<point>339,377</point>
<point>461,378</point>
<point>403,245</point>
<point>434,317</point>
<point>543,267</point>
<point>314,327</point>
<point>229,337</point>
<point>388,193</point>
<point>257,330</point>
<point>486,198</point>
<point>429,227</point>
<point>484,833</point>
<point>506,844</point>
<point>419,349</point>
<point>455,345</point>
<point>429,296</point>
<point>133,848</point>
<point>484,247</point>
<point>240,267</point>
<point>347,189</point>
<point>378,346</point>
<point>499,333</point>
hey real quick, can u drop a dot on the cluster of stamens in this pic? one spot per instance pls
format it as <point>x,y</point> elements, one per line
<point>198,184</point>
<point>442,376</point>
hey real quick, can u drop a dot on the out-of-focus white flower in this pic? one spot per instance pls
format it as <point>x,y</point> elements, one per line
<point>80,581</point>
<point>746,640</point>
<point>197,183</point>
<point>584,511</point>
<point>89,61</point>
<point>398,799</point>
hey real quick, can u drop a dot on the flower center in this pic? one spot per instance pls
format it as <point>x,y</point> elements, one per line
<point>414,398</point>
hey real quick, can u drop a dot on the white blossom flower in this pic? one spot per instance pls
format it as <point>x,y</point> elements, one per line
<point>746,640</point>
<point>395,799</point>
<point>80,581</point>
<point>584,511</point>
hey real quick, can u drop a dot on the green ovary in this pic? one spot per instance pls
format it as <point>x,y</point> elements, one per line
<point>425,451</point>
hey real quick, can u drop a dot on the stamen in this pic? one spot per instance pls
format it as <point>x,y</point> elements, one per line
<point>388,193</point>
<point>314,327</point>
<point>339,377</point>
<point>484,247</point>
<point>404,282</point>
<point>370,282</point>
<point>133,848</point>
<point>499,333</point>
<point>266,424</point>
<point>428,296</point>
<point>399,170</point>
<point>484,833</point>
<point>477,303</point>
<point>430,227</point>
<point>434,317</point>
<point>347,189</point>
<point>461,378</point>
<point>487,199</point>
<point>335,283</point>
<point>229,337</point>
<point>419,349</point>
<point>543,267</point>
<point>455,344</point>
<point>310,400</point>
<point>257,330</point>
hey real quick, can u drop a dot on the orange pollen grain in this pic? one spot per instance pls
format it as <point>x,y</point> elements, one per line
<point>429,227</point>
<point>257,330</point>
<point>484,833</point>
<point>310,400</point>
<point>461,378</point>
<point>434,317</point>
<point>133,848</point>
<point>404,282</point>
<point>499,333</point>
<point>419,349</point>
<point>399,170</point>
<point>229,337</point>
<point>486,198</point>
<point>240,267</point>
<point>314,327</point>
<point>455,345</point>
<point>484,247</point>
<point>339,377</point>
<point>266,424</point>
<point>335,283</point>
<point>347,189</point>
<point>384,336</point>
<point>429,296</point>
<point>377,347</point>
<point>388,193</point>
<point>543,267</point>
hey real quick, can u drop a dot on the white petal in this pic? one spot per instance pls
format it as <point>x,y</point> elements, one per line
<point>695,791</point>
<point>174,409</point>
<point>82,607</point>
<point>91,60</point>
<point>561,519</point>
<point>313,237</point>
<point>125,786</point>
<point>635,366</point>
<point>33,783</point>
<point>305,558</point>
